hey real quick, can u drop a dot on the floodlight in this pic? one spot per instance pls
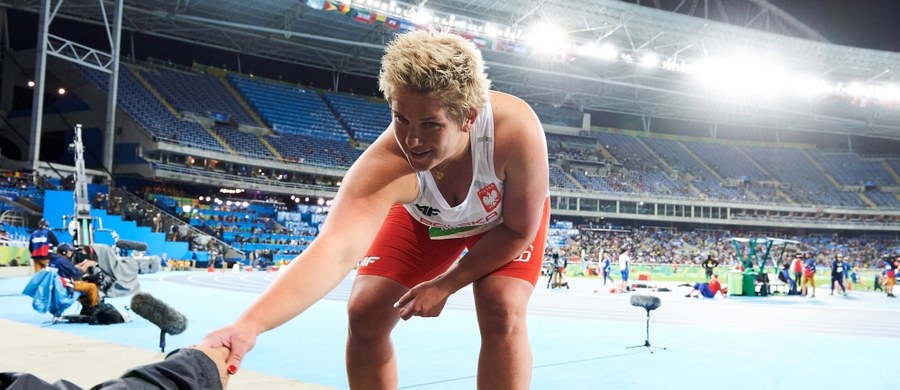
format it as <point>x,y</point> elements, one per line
<point>857,89</point>
<point>888,92</point>
<point>30,84</point>
<point>545,38</point>
<point>607,51</point>
<point>741,76</point>
<point>421,16</point>
<point>604,51</point>
<point>649,60</point>
<point>491,31</point>
<point>808,86</point>
<point>61,91</point>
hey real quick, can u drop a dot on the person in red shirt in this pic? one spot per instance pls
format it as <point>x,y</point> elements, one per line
<point>708,290</point>
<point>797,267</point>
<point>890,276</point>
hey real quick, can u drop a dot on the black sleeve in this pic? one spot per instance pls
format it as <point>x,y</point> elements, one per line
<point>183,369</point>
<point>52,238</point>
<point>23,381</point>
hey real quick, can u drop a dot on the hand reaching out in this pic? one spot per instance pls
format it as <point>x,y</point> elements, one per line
<point>424,300</point>
<point>237,339</point>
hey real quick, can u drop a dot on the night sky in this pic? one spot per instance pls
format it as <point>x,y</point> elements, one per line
<point>872,24</point>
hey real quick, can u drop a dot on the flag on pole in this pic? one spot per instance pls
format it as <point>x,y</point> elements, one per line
<point>393,23</point>
<point>363,16</point>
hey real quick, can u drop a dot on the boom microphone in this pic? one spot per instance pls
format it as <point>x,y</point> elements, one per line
<point>648,302</point>
<point>160,314</point>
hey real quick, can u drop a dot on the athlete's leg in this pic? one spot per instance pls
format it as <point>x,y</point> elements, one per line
<point>401,257</point>
<point>505,359</point>
<point>371,363</point>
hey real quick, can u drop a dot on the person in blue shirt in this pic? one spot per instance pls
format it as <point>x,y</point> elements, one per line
<point>607,264</point>
<point>71,275</point>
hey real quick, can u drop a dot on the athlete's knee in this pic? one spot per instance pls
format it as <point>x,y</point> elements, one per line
<point>501,322</point>
<point>366,321</point>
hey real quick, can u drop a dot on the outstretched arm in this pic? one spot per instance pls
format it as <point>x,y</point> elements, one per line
<point>377,180</point>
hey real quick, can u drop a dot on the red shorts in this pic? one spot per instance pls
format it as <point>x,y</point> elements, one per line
<point>403,251</point>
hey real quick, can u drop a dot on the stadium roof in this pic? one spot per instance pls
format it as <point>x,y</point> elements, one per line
<point>295,32</point>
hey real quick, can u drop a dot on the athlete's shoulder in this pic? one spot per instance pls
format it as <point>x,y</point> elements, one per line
<point>504,104</point>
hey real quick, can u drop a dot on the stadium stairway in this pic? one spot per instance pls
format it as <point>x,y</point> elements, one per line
<point>867,201</point>
<point>700,160</point>
<point>265,142</point>
<point>755,164</point>
<point>821,169</point>
<point>221,141</point>
<point>659,159</point>
<point>58,204</point>
<point>337,116</point>
<point>153,91</point>
<point>156,242</point>
<point>137,74</point>
<point>240,99</point>
<point>662,162</point>
<point>573,179</point>
<point>762,169</point>
<point>606,154</point>
<point>890,169</point>
<point>784,196</point>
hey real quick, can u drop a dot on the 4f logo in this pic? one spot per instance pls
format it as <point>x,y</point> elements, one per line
<point>368,260</point>
<point>428,211</point>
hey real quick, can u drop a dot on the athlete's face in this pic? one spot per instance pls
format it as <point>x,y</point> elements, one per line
<point>425,132</point>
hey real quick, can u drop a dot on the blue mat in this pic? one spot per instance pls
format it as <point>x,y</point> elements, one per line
<point>843,343</point>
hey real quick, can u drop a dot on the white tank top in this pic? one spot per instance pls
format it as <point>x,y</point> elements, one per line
<point>482,209</point>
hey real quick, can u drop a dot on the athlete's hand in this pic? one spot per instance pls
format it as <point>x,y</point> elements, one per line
<point>220,357</point>
<point>424,300</point>
<point>238,338</point>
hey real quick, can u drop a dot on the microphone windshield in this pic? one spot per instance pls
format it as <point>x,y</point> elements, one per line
<point>648,302</point>
<point>160,314</point>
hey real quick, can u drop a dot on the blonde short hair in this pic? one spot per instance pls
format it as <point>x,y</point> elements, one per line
<point>438,64</point>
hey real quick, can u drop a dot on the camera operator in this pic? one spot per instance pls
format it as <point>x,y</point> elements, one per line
<point>71,274</point>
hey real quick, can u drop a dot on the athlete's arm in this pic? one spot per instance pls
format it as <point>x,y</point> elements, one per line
<point>376,181</point>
